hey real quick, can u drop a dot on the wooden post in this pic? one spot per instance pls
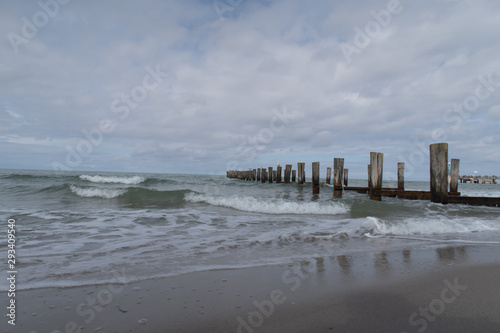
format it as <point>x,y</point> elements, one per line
<point>346,177</point>
<point>259,173</point>
<point>315,177</point>
<point>328,175</point>
<point>263,175</point>
<point>454,175</point>
<point>254,174</point>
<point>270,175</point>
<point>275,175</point>
<point>294,175</point>
<point>338,169</point>
<point>439,172</point>
<point>369,175</point>
<point>376,170</point>
<point>401,176</point>
<point>288,170</point>
<point>301,173</point>
<point>278,174</point>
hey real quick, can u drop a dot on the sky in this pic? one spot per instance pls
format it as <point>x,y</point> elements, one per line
<point>203,86</point>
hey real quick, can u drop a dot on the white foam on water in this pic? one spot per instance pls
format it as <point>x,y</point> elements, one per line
<point>275,206</point>
<point>425,226</point>
<point>94,192</point>
<point>113,179</point>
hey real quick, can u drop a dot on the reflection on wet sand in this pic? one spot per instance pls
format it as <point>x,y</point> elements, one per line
<point>320,264</point>
<point>381,262</point>
<point>406,256</point>
<point>451,254</point>
<point>345,263</point>
<point>382,265</point>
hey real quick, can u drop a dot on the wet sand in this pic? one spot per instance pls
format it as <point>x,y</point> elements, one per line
<point>442,289</point>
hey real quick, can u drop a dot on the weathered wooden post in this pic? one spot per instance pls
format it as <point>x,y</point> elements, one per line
<point>328,175</point>
<point>315,177</point>
<point>369,175</point>
<point>270,174</point>
<point>254,174</point>
<point>275,175</point>
<point>401,176</point>
<point>263,175</point>
<point>346,177</point>
<point>454,175</point>
<point>294,175</point>
<point>259,172</point>
<point>278,174</point>
<point>303,173</point>
<point>300,172</point>
<point>338,168</point>
<point>439,172</point>
<point>376,170</point>
<point>288,170</point>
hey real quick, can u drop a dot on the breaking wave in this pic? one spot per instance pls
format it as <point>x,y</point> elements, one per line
<point>421,226</point>
<point>134,180</point>
<point>275,206</point>
<point>94,192</point>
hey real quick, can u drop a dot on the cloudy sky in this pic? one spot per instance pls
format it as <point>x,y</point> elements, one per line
<point>201,86</point>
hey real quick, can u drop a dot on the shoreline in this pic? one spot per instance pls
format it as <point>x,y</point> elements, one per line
<point>363,292</point>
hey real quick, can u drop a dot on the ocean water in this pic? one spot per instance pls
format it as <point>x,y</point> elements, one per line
<point>80,228</point>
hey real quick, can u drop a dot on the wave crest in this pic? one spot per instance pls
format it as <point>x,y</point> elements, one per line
<point>276,206</point>
<point>94,192</point>
<point>372,226</point>
<point>134,180</point>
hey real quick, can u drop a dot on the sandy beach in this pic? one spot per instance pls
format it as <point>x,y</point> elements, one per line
<point>451,289</point>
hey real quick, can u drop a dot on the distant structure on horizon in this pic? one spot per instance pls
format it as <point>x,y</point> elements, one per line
<point>478,179</point>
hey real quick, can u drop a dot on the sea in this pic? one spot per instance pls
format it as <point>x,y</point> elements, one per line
<point>80,228</point>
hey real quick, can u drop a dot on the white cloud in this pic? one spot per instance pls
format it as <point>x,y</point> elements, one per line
<point>227,76</point>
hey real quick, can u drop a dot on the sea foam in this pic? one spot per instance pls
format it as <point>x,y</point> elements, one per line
<point>113,179</point>
<point>275,206</point>
<point>94,192</point>
<point>423,226</point>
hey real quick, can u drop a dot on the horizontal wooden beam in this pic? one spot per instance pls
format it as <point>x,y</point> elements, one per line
<point>476,201</point>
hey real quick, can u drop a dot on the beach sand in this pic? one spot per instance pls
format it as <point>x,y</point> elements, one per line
<point>443,289</point>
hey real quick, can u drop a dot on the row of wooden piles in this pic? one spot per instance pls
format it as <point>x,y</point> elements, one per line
<point>340,175</point>
<point>441,190</point>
